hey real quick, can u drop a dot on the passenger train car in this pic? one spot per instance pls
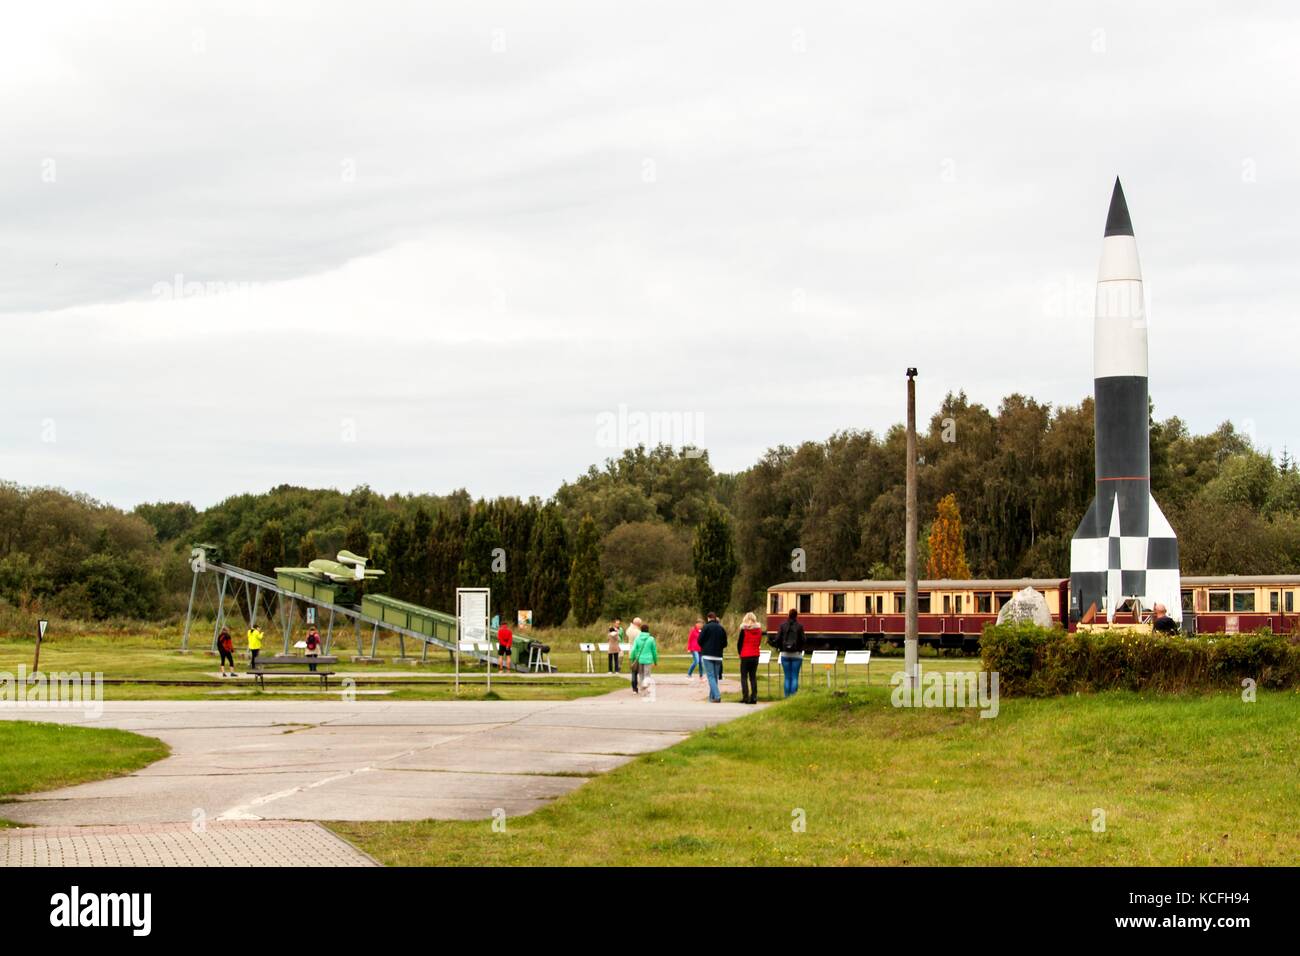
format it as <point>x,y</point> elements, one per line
<point>952,614</point>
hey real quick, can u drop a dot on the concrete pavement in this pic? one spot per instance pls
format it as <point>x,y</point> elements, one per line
<point>267,843</point>
<point>248,761</point>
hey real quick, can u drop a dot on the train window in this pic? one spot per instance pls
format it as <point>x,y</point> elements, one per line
<point>1002,598</point>
<point>1189,601</point>
<point>956,603</point>
<point>776,604</point>
<point>947,604</point>
<point>983,602</point>
<point>837,603</point>
<point>1290,602</point>
<point>880,603</point>
<point>900,602</point>
<point>805,603</point>
<point>923,602</point>
<point>1274,601</point>
<point>1219,600</point>
<point>1243,600</point>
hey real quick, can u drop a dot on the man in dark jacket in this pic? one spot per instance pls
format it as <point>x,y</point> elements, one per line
<point>790,642</point>
<point>713,641</point>
<point>1161,622</point>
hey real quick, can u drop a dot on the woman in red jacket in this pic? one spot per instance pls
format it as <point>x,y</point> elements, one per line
<point>749,643</point>
<point>693,648</point>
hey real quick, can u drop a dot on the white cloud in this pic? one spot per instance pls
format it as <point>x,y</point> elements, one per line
<point>758,214</point>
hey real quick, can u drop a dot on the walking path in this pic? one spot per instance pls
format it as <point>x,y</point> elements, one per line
<point>241,762</point>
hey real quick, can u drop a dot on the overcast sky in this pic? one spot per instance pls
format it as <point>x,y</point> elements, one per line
<point>427,246</point>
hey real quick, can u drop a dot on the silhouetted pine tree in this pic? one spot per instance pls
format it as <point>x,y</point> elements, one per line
<point>548,569</point>
<point>715,562</point>
<point>586,582</point>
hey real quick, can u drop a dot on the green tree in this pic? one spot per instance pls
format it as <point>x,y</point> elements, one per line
<point>586,582</point>
<point>548,569</point>
<point>715,562</point>
<point>446,550</point>
<point>481,560</point>
<point>270,548</point>
<point>397,547</point>
<point>355,538</point>
<point>424,577</point>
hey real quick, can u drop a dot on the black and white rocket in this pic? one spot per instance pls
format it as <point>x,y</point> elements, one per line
<point>1124,548</point>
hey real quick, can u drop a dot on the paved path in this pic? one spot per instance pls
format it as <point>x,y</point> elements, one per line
<point>247,761</point>
<point>265,843</point>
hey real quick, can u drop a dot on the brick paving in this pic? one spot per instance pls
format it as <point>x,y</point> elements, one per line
<point>217,843</point>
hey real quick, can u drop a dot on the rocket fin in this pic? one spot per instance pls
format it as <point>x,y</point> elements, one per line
<point>1164,584</point>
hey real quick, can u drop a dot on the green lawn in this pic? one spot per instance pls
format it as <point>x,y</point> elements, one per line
<point>1195,780</point>
<point>155,657</point>
<point>37,756</point>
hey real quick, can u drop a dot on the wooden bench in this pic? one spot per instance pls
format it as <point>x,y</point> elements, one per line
<point>299,660</point>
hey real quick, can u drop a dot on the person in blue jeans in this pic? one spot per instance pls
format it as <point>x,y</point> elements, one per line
<point>790,642</point>
<point>693,648</point>
<point>713,641</point>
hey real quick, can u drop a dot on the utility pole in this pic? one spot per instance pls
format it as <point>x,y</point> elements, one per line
<point>910,637</point>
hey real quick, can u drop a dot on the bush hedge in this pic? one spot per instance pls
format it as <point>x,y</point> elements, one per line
<point>1036,662</point>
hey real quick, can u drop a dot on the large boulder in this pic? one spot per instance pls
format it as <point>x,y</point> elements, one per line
<point>1027,605</point>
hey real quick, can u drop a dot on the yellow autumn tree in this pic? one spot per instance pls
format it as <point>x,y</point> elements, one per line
<point>947,543</point>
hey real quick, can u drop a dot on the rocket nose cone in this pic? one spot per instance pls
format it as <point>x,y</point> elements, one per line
<point>1117,220</point>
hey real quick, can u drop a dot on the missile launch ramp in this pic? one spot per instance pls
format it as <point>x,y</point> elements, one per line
<point>218,585</point>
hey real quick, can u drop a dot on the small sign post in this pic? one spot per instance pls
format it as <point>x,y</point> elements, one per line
<point>40,635</point>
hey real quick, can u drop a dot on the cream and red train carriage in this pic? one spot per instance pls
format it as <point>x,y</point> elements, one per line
<point>1240,603</point>
<point>952,614</point>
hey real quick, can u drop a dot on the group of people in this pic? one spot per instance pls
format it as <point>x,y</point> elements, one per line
<point>707,643</point>
<point>708,640</point>
<point>642,656</point>
<point>226,648</point>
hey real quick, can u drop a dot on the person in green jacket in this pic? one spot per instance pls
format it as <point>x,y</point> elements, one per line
<point>645,653</point>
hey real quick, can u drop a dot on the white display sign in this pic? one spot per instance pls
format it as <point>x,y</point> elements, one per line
<point>472,613</point>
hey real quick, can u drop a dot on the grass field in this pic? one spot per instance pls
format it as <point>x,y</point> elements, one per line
<point>1191,780</point>
<point>36,756</point>
<point>155,657</point>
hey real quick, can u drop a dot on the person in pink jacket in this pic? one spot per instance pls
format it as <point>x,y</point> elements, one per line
<point>693,647</point>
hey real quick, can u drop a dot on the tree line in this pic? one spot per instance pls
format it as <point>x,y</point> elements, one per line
<point>1000,492</point>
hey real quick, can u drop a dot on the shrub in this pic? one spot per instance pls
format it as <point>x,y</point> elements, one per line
<point>1034,661</point>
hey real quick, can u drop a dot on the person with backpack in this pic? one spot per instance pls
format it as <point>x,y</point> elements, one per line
<point>226,648</point>
<point>313,646</point>
<point>713,641</point>
<point>644,656</point>
<point>790,642</point>
<point>633,632</point>
<point>748,644</point>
